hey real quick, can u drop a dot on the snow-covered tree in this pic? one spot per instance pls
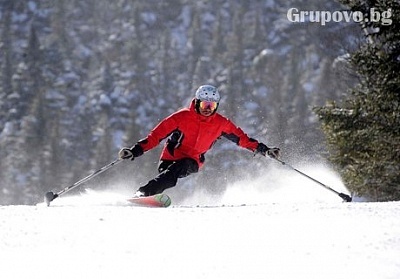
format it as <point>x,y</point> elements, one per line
<point>364,130</point>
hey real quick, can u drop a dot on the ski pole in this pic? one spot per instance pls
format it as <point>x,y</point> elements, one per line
<point>50,196</point>
<point>344,196</point>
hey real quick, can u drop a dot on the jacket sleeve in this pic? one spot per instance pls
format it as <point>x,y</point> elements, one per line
<point>236,134</point>
<point>160,132</point>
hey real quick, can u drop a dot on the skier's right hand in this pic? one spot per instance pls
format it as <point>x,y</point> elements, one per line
<point>130,153</point>
<point>125,153</point>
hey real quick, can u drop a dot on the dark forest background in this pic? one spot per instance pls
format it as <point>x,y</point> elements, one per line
<point>81,79</point>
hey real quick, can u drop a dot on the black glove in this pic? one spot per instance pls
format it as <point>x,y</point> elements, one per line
<point>125,153</point>
<point>130,153</point>
<point>273,152</point>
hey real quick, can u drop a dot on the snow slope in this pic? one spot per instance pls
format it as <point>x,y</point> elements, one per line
<point>98,236</point>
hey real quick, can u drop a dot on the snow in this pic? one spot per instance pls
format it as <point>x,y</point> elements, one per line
<point>285,231</point>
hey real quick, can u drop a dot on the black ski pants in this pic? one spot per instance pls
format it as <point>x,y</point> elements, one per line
<point>169,171</point>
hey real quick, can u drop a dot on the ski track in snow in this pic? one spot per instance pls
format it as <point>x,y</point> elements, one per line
<point>280,233</point>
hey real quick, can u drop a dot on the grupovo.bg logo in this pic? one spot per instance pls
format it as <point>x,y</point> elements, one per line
<point>322,17</point>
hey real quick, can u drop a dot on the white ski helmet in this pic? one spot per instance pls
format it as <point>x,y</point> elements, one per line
<point>208,93</point>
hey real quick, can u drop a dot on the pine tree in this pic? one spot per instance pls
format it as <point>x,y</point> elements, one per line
<point>364,131</point>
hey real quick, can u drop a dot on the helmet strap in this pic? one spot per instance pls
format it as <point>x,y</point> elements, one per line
<point>197,105</point>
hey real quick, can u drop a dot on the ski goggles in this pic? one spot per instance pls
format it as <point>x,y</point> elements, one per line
<point>208,105</point>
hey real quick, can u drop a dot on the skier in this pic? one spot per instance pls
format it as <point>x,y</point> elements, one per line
<point>191,133</point>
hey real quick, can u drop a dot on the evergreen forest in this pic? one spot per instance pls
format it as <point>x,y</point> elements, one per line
<point>81,79</point>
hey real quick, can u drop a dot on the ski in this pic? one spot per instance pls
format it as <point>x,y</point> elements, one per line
<point>158,200</point>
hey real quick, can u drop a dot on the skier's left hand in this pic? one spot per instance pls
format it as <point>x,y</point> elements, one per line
<point>273,152</point>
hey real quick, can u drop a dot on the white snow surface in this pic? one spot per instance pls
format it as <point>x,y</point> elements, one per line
<point>296,229</point>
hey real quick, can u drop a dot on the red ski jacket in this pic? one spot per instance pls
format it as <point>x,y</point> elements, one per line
<point>191,135</point>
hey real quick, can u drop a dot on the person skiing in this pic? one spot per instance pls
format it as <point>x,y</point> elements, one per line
<point>191,133</point>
